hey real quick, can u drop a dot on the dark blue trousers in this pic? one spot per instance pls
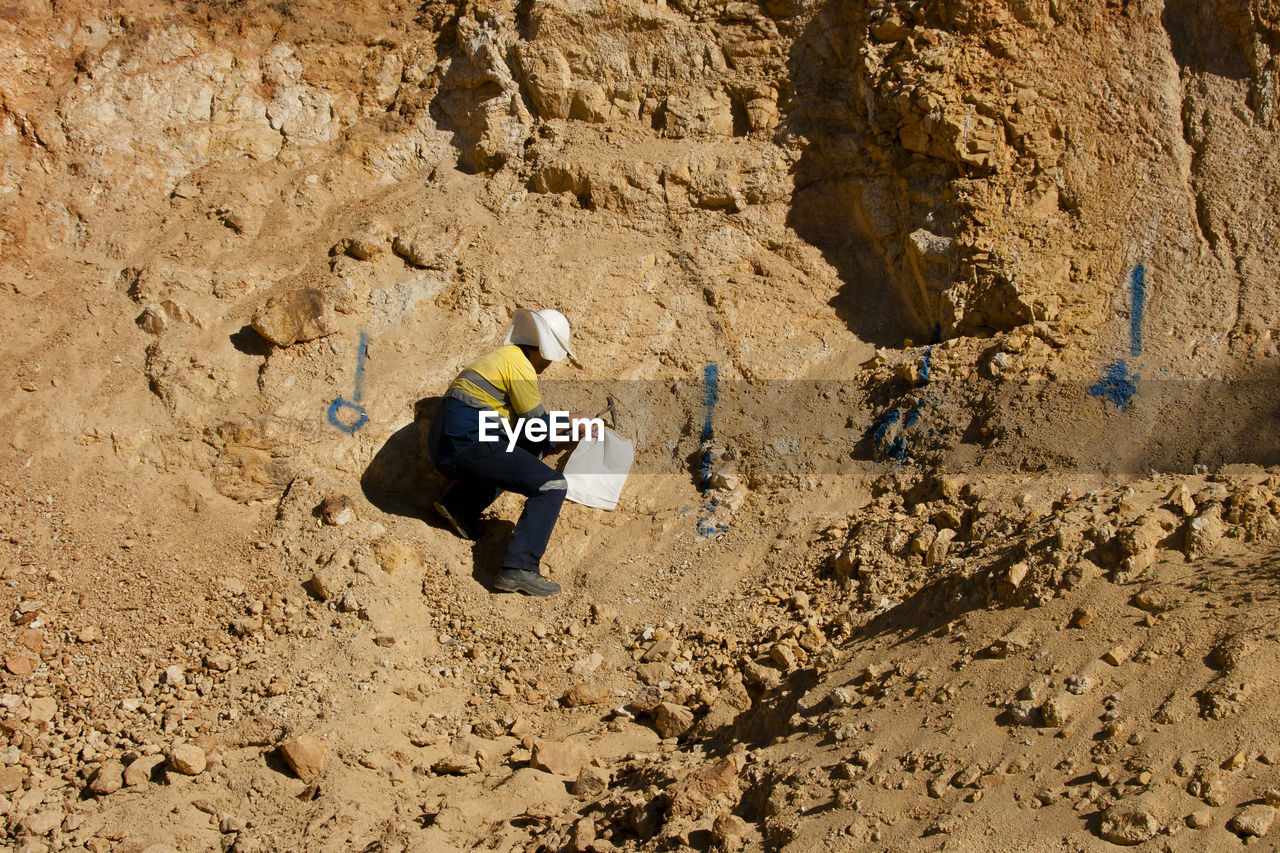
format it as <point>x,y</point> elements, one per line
<point>484,470</point>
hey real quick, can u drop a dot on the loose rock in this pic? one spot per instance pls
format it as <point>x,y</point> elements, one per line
<point>562,758</point>
<point>305,756</point>
<point>1253,820</point>
<point>302,315</point>
<point>108,778</point>
<point>672,720</point>
<point>1128,825</point>
<point>188,759</point>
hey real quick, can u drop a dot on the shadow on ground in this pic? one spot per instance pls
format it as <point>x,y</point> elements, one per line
<point>400,479</point>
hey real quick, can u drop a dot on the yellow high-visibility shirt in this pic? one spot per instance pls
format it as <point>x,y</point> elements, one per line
<point>504,381</point>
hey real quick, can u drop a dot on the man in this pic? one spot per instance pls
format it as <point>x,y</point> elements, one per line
<point>506,382</point>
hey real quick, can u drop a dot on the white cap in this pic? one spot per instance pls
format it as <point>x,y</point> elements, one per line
<point>548,330</point>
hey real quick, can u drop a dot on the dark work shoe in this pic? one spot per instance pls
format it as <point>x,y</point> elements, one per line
<point>453,522</point>
<point>530,583</point>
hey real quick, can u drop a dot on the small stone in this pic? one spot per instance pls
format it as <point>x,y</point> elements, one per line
<point>1116,655</point>
<point>591,780</point>
<point>664,650</point>
<point>1055,712</point>
<point>43,709</point>
<point>967,777</point>
<point>585,694</point>
<point>603,613</point>
<point>364,247</point>
<point>697,791</point>
<point>188,759</point>
<point>152,320</point>
<point>32,639</point>
<point>11,777</point>
<point>337,510</point>
<point>563,758</point>
<point>1079,684</point>
<point>584,835</point>
<point>588,664</point>
<point>866,756</point>
<point>21,664</point>
<point>108,779</point>
<point>303,315</point>
<point>765,677</point>
<point>889,29</point>
<point>784,656</point>
<point>1017,574</point>
<point>672,720</point>
<point>219,661</point>
<point>173,675</point>
<point>940,547</point>
<point>1127,825</point>
<point>1149,600</point>
<point>232,823</point>
<point>1081,617</point>
<point>729,829</point>
<point>655,673</point>
<point>455,764</point>
<point>1022,711</point>
<point>305,756</point>
<point>1272,797</point>
<point>1007,646</point>
<point>325,585</point>
<point>89,634</point>
<point>139,771</point>
<point>1182,498</point>
<point>1200,818</point>
<point>422,250</point>
<point>1253,820</point>
<point>42,822</point>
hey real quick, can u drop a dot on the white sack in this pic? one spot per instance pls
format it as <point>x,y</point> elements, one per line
<point>597,470</point>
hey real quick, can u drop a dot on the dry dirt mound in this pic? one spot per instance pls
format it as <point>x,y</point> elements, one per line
<point>947,333</point>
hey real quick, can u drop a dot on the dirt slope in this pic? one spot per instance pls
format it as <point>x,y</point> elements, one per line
<point>947,334</point>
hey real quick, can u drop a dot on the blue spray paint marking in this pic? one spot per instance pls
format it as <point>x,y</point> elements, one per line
<point>710,394</point>
<point>880,429</point>
<point>362,417</point>
<point>1119,386</point>
<point>1138,303</point>
<point>925,364</point>
<point>888,433</point>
